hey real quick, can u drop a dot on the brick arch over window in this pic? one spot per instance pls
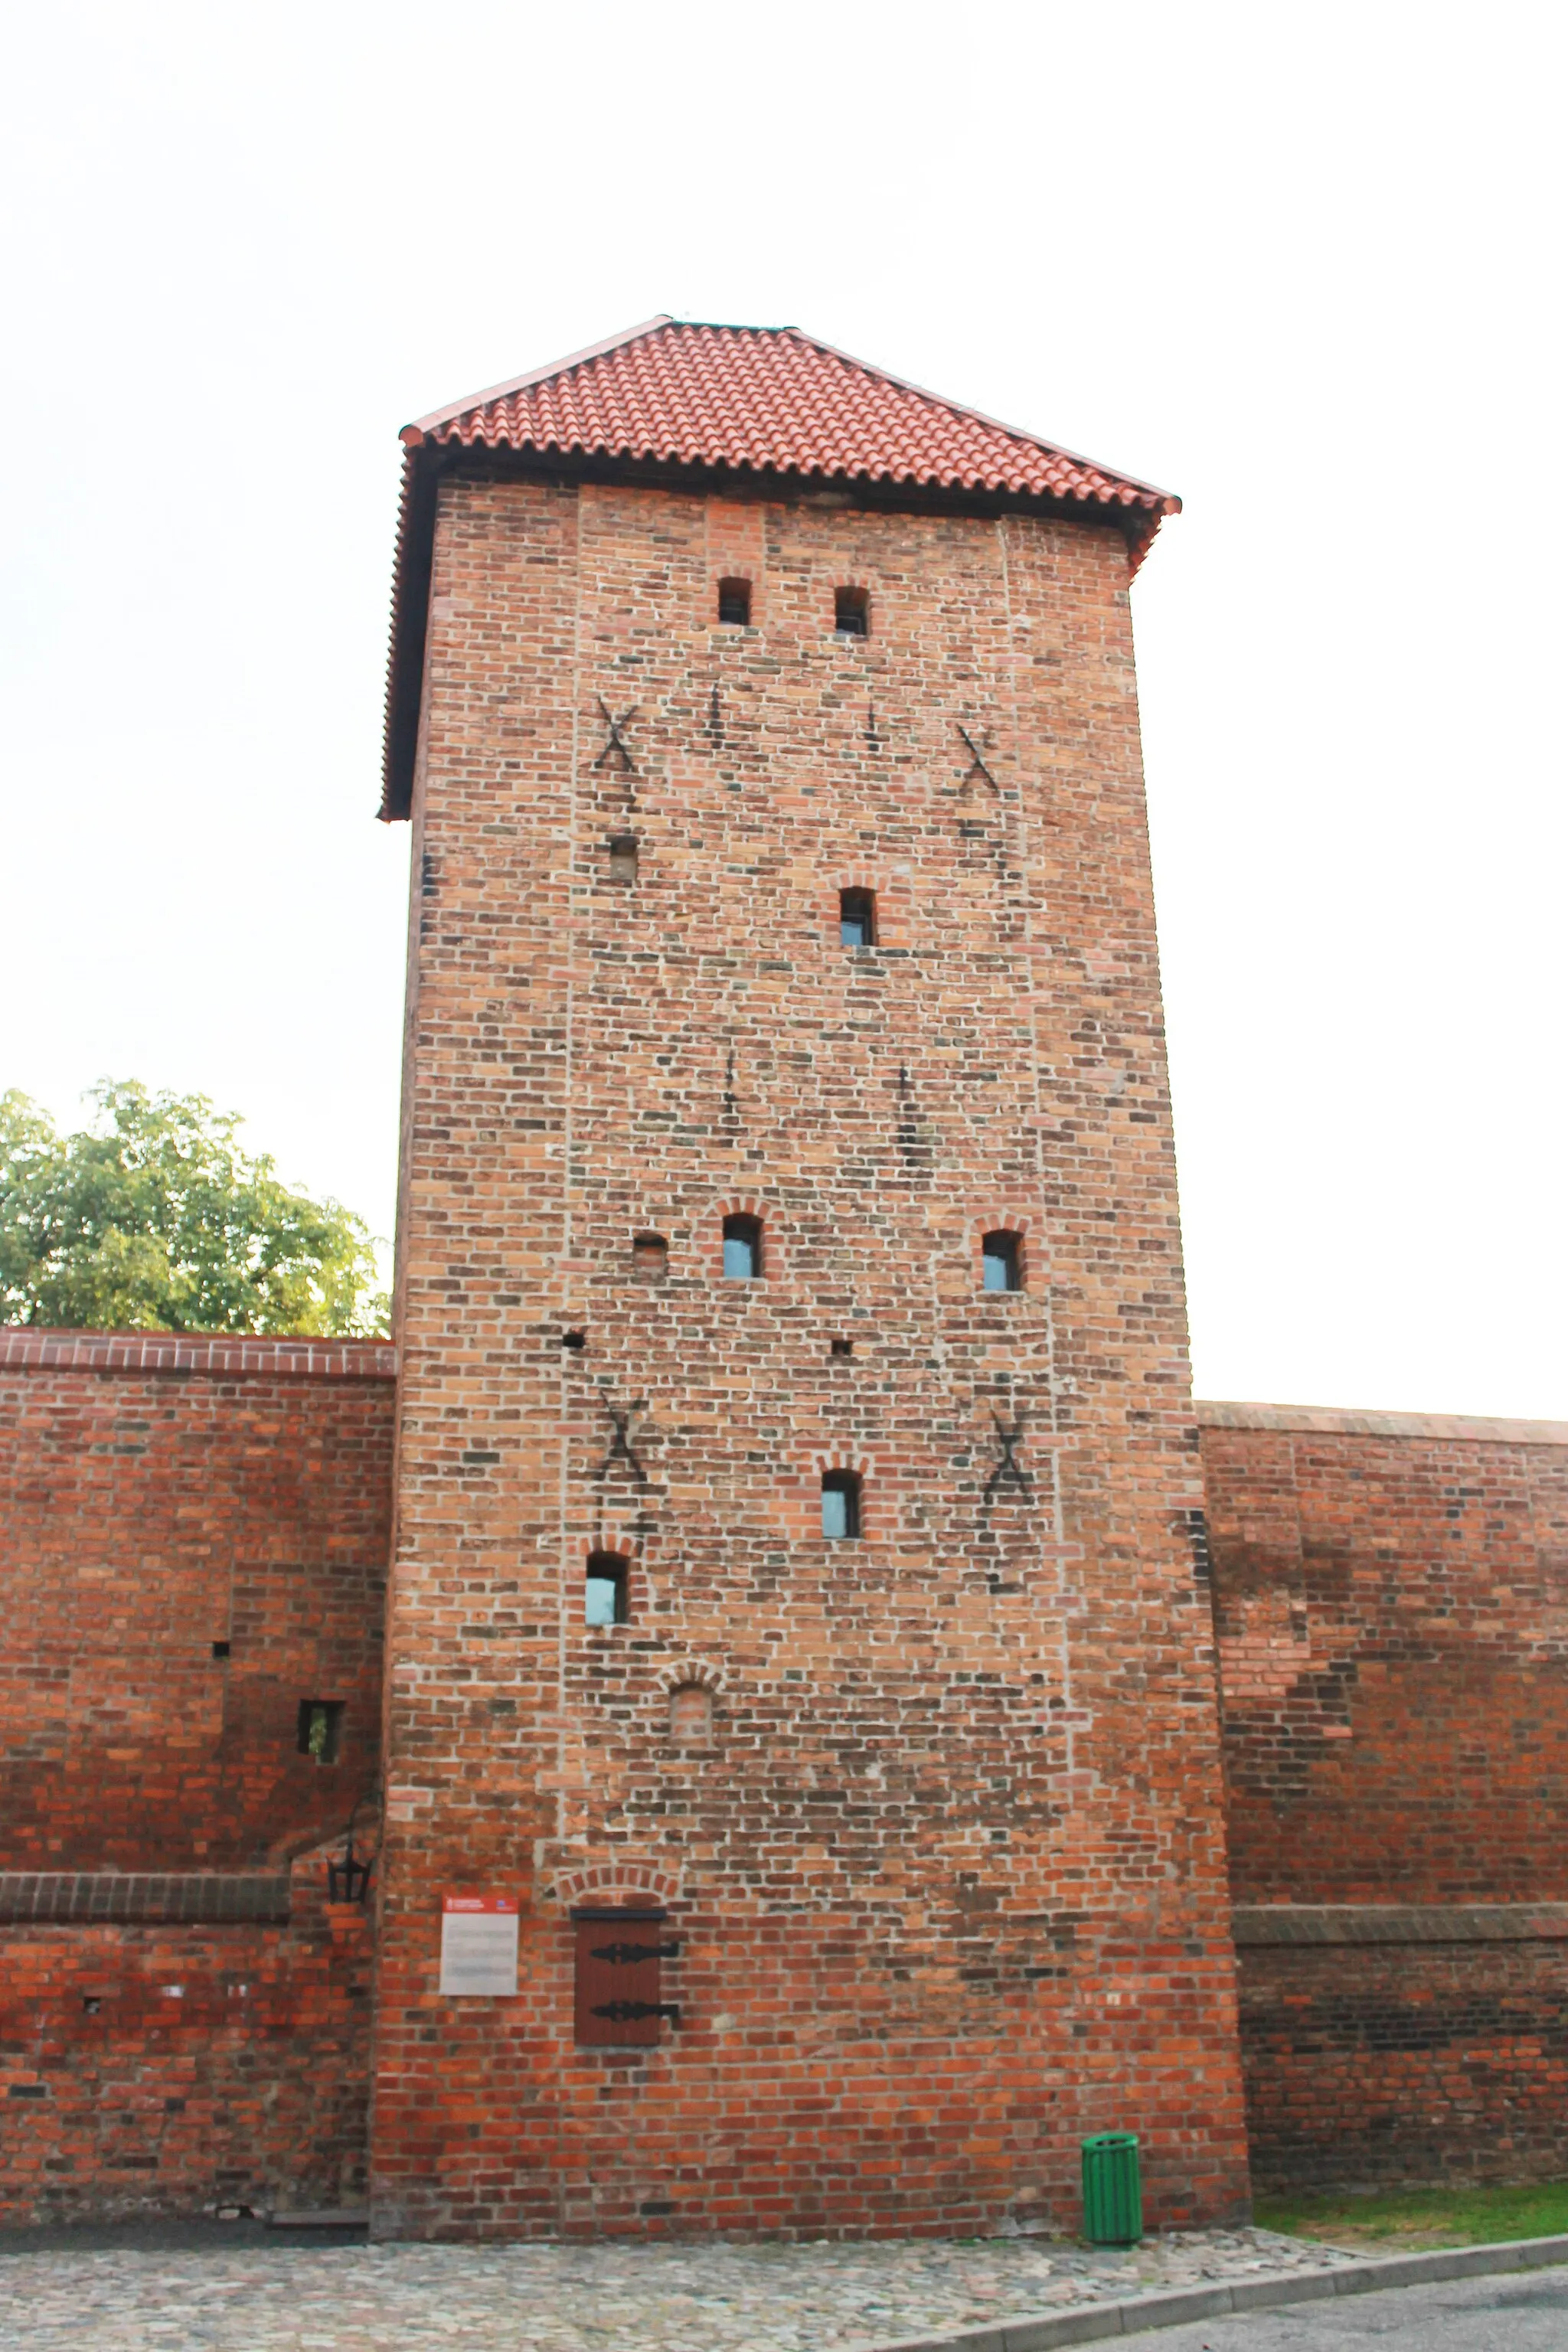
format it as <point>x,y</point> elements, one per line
<point>612,1547</point>
<point>611,1882</point>
<point>822,1463</point>
<point>681,1673</point>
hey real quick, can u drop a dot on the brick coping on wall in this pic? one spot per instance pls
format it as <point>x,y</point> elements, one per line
<point>1330,1421</point>
<point>1256,1924</point>
<point>25,1349</point>
<point>190,1896</point>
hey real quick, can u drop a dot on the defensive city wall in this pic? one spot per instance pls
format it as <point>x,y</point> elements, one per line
<point>196,1540</point>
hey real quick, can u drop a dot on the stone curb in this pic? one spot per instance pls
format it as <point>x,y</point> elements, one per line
<point>1092,2324</point>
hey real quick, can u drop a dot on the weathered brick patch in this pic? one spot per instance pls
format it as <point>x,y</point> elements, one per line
<point>162,2069</point>
<point>1403,2063</point>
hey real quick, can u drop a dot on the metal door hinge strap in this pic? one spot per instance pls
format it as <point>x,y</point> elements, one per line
<point>626,1956</point>
<point>628,2012</point>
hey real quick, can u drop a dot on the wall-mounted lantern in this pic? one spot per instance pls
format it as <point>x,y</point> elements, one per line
<point>348,1878</point>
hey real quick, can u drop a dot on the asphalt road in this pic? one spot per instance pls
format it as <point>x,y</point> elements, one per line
<point>1518,2311</point>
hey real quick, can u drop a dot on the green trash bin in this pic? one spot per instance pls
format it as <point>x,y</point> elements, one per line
<point>1113,2194</point>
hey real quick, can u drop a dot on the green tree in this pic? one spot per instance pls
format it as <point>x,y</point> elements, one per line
<point>153,1220</point>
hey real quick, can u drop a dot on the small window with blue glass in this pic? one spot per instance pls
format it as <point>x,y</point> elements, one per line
<point>857,919</point>
<point>604,1593</point>
<point>841,1506</point>
<point>742,1249</point>
<point>1002,1262</point>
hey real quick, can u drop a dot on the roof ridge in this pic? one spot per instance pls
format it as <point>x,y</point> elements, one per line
<point>414,434</point>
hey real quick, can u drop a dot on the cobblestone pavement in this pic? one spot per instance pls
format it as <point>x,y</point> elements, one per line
<point>578,2298</point>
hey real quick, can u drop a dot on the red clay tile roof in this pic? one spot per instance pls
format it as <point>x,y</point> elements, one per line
<point>753,400</point>
<point>772,400</point>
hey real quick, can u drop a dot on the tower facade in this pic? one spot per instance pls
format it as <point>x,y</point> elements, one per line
<point>798,1609</point>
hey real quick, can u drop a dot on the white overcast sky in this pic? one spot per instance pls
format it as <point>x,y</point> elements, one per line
<point>1301,264</point>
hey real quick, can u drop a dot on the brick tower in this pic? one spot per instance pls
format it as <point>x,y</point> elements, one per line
<point>797,1609</point>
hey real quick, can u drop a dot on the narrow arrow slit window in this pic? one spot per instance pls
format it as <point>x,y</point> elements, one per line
<point>742,1249</point>
<point>1001,1262</point>
<point>857,919</point>
<point>841,1506</point>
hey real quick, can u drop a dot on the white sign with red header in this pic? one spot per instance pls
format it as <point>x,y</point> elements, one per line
<point>478,1945</point>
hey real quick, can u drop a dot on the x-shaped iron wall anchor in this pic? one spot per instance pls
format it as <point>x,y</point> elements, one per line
<point>628,766</point>
<point>621,1448</point>
<point>1008,1465</point>
<point>975,758</point>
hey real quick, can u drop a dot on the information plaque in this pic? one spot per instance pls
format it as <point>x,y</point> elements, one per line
<point>478,1945</point>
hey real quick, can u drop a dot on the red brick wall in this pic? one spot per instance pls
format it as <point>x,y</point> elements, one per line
<point>1391,1599</point>
<point>949,1878</point>
<point>215,2065</point>
<point>1401,2063</point>
<point>1392,1613</point>
<point>158,1496</point>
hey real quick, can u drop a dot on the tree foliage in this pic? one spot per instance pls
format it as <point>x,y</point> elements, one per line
<point>153,1220</point>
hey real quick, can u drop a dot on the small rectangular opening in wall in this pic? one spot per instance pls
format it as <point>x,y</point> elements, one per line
<point>220,1649</point>
<point>742,1249</point>
<point>605,1599</point>
<point>841,1506</point>
<point>852,612</point>
<point>1001,1262</point>
<point>734,604</point>
<point>857,919</point>
<point>320,1728</point>
<point>623,858</point>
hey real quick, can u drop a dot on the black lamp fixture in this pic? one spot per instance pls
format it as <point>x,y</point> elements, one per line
<point>348,1878</point>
